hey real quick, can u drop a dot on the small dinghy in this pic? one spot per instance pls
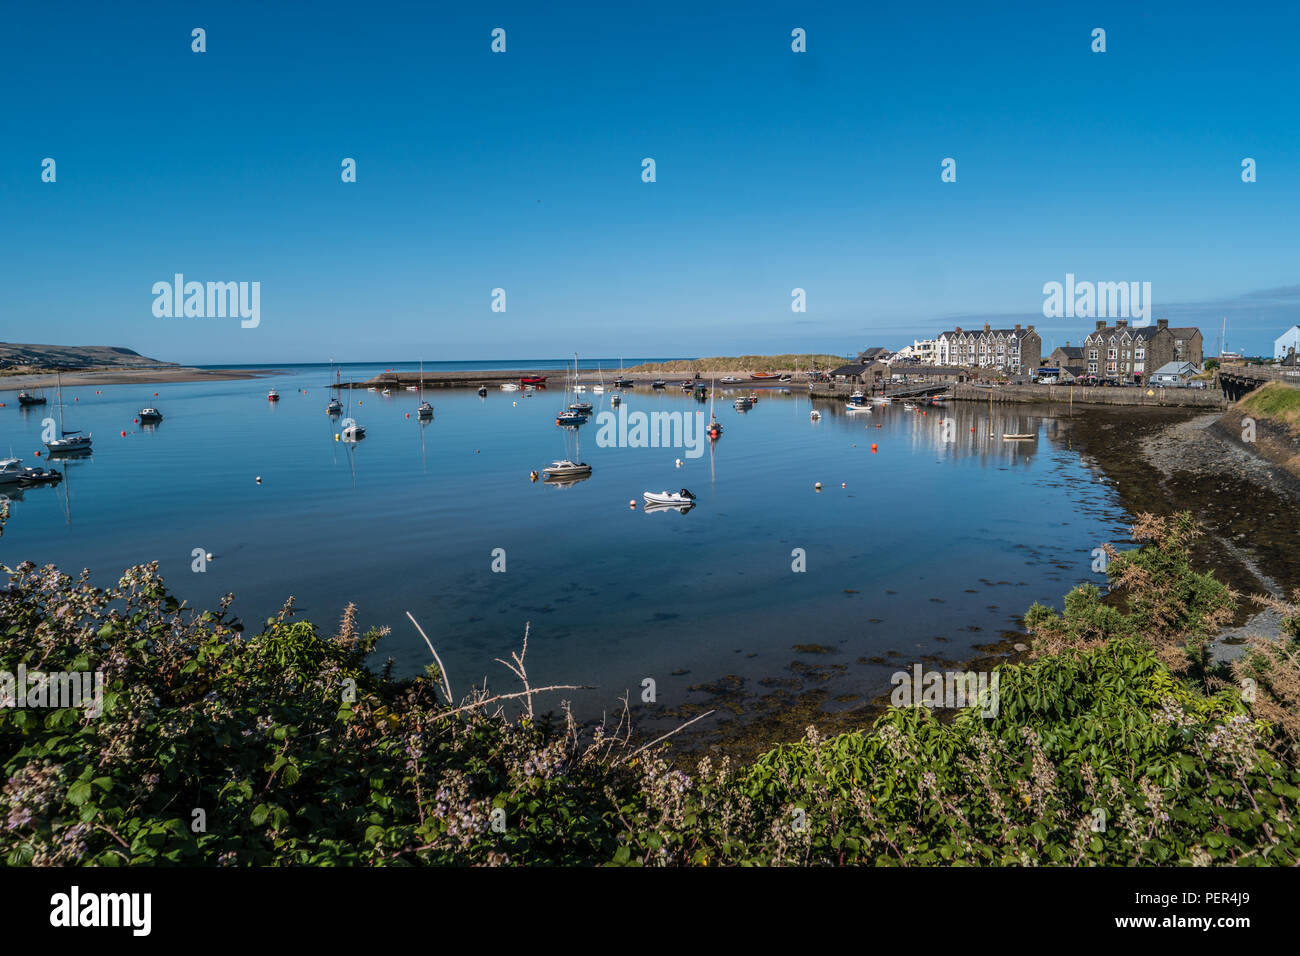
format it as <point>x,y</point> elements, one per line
<point>814,416</point>
<point>657,383</point>
<point>674,498</point>
<point>482,391</point>
<point>424,411</point>
<point>1027,437</point>
<point>509,387</point>
<point>851,407</point>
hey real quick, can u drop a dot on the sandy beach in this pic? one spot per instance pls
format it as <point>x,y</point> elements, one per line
<point>127,376</point>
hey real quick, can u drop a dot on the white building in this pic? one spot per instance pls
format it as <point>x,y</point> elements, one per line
<point>1290,339</point>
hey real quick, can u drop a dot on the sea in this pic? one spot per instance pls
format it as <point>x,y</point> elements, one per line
<point>881,539</point>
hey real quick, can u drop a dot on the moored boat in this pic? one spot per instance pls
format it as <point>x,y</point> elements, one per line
<point>678,498</point>
<point>150,416</point>
<point>564,469</point>
<point>26,399</point>
<point>272,396</point>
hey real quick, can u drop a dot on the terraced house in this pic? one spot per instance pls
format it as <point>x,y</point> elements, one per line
<point>1009,350</point>
<point>1126,354</point>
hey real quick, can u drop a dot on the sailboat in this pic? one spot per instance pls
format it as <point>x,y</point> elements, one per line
<point>425,410</point>
<point>577,412</point>
<point>622,381</point>
<point>352,432</point>
<point>67,442</point>
<point>335,407</point>
<point>566,471</point>
<point>714,429</point>
<point>599,387</point>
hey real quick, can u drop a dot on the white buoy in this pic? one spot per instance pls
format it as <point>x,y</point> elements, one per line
<point>817,486</point>
<point>632,504</point>
<point>679,463</point>
<point>209,555</point>
<point>259,479</point>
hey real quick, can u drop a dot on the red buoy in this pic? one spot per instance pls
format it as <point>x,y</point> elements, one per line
<point>873,448</point>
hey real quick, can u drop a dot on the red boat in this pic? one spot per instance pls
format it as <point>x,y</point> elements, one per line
<point>764,376</point>
<point>532,380</point>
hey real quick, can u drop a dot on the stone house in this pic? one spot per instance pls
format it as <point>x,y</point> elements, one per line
<point>1127,354</point>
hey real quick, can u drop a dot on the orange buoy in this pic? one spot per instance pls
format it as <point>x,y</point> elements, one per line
<point>972,428</point>
<point>873,448</point>
<point>123,434</point>
<point>38,454</point>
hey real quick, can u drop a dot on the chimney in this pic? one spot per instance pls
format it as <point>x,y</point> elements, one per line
<point>986,326</point>
<point>1100,325</point>
<point>1017,326</point>
<point>958,328</point>
<point>1162,323</point>
<point>1121,323</point>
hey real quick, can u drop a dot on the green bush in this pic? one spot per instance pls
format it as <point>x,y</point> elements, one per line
<point>297,754</point>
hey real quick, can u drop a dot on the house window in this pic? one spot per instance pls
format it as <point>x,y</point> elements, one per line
<point>1112,353</point>
<point>1092,354</point>
<point>1140,354</point>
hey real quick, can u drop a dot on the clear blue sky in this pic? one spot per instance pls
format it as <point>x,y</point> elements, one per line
<point>523,170</point>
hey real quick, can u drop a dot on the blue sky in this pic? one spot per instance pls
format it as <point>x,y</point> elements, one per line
<point>522,170</point>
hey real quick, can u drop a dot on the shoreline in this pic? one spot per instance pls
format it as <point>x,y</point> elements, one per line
<point>129,376</point>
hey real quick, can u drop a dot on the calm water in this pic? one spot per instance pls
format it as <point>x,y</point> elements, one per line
<point>929,549</point>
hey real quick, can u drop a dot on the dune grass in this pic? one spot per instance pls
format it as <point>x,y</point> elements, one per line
<point>746,363</point>
<point>1275,401</point>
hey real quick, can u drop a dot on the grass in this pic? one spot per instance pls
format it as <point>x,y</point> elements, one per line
<point>746,363</point>
<point>1275,401</point>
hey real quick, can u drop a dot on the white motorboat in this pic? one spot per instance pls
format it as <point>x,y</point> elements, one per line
<point>150,416</point>
<point>411,388</point>
<point>565,469</point>
<point>424,411</point>
<point>731,380</point>
<point>850,407</point>
<point>675,498</point>
<point>12,472</point>
<point>744,403</point>
<point>509,387</point>
<point>815,416</point>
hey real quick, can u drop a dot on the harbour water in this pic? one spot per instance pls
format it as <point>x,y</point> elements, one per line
<point>922,548</point>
